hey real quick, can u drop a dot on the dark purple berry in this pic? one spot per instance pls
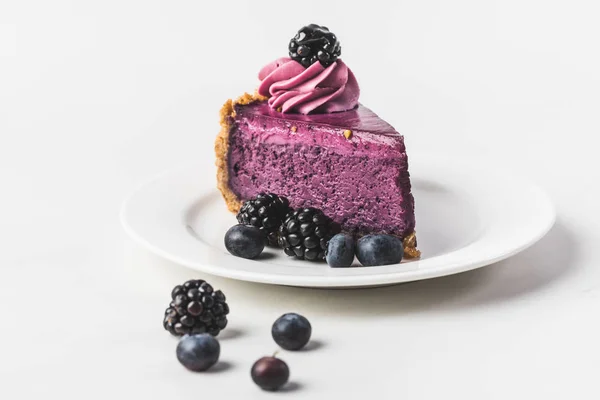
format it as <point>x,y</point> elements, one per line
<point>303,51</point>
<point>245,241</point>
<point>314,43</point>
<point>205,287</point>
<point>265,211</point>
<point>195,308</point>
<point>219,296</point>
<point>270,373</point>
<point>198,352</point>
<point>305,234</point>
<point>340,252</point>
<point>193,294</point>
<point>373,250</point>
<point>208,301</point>
<point>177,290</point>
<point>196,311</point>
<point>291,331</point>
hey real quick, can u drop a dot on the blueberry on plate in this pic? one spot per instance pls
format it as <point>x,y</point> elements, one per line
<point>373,250</point>
<point>291,331</point>
<point>245,241</point>
<point>340,251</point>
<point>270,373</point>
<point>198,352</point>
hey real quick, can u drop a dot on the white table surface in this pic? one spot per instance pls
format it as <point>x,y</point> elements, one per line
<point>97,96</point>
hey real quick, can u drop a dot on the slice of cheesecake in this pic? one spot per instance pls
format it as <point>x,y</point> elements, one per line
<point>352,165</point>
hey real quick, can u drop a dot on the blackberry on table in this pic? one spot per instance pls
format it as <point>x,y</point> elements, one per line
<point>305,234</point>
<point>315,43</point>
<point>266,211</point>
<point>196,308</point>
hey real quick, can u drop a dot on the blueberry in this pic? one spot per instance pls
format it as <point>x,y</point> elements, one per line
<point>245,241</point>
<point>340,252</point>
<point>198,352</point>
<point>291,331</point>
<point>270,373</point>
<point>373,250</point>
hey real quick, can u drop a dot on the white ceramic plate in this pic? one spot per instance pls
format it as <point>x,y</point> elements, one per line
<point>467,217</point>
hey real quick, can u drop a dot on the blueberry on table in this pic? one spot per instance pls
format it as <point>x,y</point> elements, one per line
<point>245,241</point>
<point>340,252</point>
<point>374,250</point>
<point>270,373</point>
<point>198,352</point>
<point>291,331</point>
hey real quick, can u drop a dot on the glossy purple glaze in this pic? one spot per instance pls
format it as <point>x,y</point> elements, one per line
<point>362,182</point>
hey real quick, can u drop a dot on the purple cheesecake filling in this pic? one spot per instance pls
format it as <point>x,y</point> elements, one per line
<point>362,183</point>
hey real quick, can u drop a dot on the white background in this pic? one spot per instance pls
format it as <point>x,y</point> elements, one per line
<point>97,96</point>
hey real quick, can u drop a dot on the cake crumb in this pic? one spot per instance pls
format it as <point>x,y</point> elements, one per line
<point>410,246</point>
<point>347,133</point>
<point>279,109</point>
<point>294,128</point>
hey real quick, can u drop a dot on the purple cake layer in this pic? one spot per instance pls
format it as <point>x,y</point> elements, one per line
<point>361,182</point>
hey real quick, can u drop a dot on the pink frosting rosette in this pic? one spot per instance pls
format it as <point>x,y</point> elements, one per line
<point>292,88</point>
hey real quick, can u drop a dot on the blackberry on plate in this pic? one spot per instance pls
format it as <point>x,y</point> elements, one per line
<point>314,43</point>
<point>196,308</point>
<point>305,234</point>
<point>266,212</point>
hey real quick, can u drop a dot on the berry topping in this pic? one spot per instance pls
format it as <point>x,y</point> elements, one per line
<point>245,241</point>
<point>291,331</point>
<point>198,352</point>
<point>305,234</point>
<point>340,252</point>
<point>265,211</point>
<point>373,250</point>
<point>315,43</point>
<point>270,373</point>
<point>196,308</point>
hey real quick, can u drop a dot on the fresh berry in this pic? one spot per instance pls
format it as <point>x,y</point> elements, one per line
<point>196,308</point>
<point>198,352</point>
<point>291,331</point>
<point>373,250</point>
<point>270,373</point>
<point>315,43</point>
<point>305,234</point>
<point>245,241</point>
<point>266,212</point>
<point>340,252</point>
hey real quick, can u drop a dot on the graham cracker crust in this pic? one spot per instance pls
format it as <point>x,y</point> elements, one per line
<point>410,246</point>
<point>233,203</point>
<point>227,114</point>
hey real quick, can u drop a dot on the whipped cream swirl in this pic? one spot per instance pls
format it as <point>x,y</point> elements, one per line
<point>316,89</point>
